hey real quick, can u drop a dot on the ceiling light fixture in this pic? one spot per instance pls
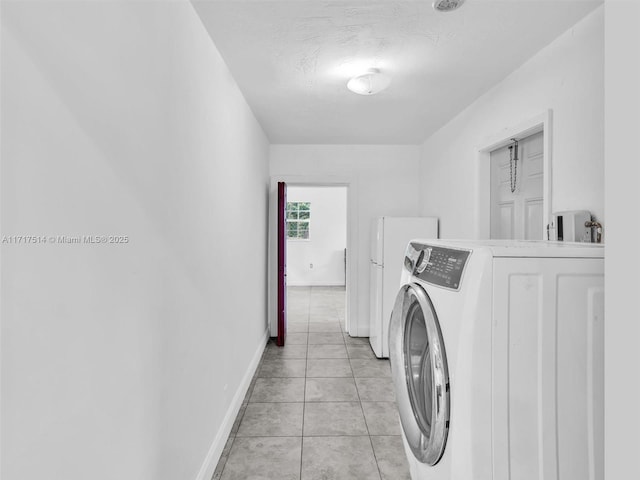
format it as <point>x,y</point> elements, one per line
<point>369,83</point>
<point>447,5</point>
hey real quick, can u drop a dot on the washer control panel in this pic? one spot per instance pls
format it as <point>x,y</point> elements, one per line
<point>438,265</point>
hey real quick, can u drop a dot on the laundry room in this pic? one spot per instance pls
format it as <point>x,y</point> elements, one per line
<point>179,301</point>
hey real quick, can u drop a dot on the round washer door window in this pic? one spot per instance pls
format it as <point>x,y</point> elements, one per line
<point>420,374</point>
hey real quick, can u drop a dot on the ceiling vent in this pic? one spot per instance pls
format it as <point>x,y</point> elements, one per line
<point>447,5</point>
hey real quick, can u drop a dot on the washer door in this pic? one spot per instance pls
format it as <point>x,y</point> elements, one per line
<point>420,374</point>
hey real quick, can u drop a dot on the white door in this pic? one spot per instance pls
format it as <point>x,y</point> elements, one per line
<point>518,214</point>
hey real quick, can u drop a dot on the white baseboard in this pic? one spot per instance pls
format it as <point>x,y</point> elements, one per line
<point>215,451</point>
<point>314,284</point>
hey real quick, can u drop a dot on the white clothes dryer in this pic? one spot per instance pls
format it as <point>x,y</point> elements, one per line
<point>497,360</point>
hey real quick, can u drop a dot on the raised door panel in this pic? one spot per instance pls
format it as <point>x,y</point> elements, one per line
<point>507,214</point>
<point>533,219</point>
<point>580,376</point>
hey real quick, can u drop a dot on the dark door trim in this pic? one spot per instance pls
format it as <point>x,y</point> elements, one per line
<point>282,264</point>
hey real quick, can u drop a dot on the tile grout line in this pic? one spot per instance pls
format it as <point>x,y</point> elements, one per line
<point>365,418</point>
<point>304,393</point>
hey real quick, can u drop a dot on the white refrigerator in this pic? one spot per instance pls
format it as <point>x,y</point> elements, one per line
<point>389,239</point>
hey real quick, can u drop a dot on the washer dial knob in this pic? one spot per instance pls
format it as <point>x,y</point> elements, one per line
<point>423,260</point>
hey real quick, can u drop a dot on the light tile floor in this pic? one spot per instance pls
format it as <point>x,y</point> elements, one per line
<point>320,408</point>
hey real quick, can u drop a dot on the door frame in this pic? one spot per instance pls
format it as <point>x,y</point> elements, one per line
<point>281,331</point>
<point>539,123</point>
<point>351,324</point>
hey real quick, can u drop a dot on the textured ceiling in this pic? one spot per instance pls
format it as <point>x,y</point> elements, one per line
<point>292,60</point>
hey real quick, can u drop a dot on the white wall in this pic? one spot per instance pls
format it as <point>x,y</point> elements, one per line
<point>320,259</point>
<point>622,197</point>
<point>566,77</point>
<point>122,361</point>
<point>383,180</point>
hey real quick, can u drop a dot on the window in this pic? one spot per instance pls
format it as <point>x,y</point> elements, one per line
<point>298,214</point>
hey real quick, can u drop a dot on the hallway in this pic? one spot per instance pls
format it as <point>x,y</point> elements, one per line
<point>322,407</point>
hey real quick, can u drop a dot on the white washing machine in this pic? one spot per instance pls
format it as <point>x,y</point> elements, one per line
<point>496,353</point>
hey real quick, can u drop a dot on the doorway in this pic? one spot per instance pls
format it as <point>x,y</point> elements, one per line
<point>316,258</point>
<point>538,209</point>
<point>516,189</point>
<point>350,186</point>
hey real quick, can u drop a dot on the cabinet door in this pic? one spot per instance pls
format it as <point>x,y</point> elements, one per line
<point>548,368</point>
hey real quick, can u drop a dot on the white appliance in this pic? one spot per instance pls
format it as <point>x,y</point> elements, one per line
<point>571,226</point>
<point>496,351</point>
<point>390,236</point>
